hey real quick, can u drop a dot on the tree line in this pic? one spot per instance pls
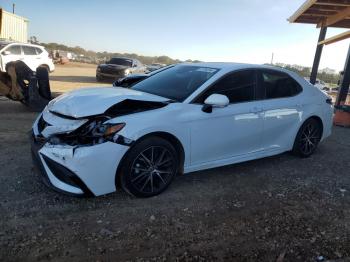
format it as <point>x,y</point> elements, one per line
<point>306,72</point>
<point>102,56</point>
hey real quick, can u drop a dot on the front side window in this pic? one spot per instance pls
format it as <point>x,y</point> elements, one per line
<point>28,50</point>
<point>279,85</point>
<point>14,50</point>
<point>238,87</point>
<point>176,83</point>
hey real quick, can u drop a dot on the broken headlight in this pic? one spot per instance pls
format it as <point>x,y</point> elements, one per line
<point>93,132</point>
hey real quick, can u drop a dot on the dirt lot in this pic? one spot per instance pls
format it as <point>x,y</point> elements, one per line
<point>72,76</point>
<point>280,208</point>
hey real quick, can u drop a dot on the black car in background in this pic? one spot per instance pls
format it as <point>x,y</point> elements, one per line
<point>119,67</point>
<point>133,79</point>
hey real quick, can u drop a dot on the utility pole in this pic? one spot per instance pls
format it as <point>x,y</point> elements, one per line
<point>318,53</point>
<point>13,8</point>
<point>272,59</point>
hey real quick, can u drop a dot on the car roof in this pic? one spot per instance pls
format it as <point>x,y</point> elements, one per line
<point>19,43</point>
<point>120,57</point>
<point>230,66</point>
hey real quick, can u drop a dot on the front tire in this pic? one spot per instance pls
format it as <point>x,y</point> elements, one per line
<point>98,78</point>
<point>149,167</point>
<point>307,139</point>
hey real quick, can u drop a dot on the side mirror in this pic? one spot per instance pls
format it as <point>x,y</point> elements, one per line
<point>134,65</point>
<point>215,100</point>
<point>6,53</point>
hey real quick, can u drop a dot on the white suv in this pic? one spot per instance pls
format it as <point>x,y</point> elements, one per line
<point>32,55</point>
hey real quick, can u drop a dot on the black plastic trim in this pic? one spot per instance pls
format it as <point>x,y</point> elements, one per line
<point>65,175</point>
<point>35,147</point>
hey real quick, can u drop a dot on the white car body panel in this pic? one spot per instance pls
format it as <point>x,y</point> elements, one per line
<point>86,101</point>
<point>232,134</point>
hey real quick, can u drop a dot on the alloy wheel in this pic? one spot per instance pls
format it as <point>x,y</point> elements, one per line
<point>310,138</point>
<point>152,170</point>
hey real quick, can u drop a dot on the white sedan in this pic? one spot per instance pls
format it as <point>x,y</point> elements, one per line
<point>186,118</point>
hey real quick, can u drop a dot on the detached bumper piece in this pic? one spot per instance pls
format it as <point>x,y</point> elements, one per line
<point>60,172</point>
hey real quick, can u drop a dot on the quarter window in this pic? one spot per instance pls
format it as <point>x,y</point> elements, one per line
<point>279,85</point>
<point>28,50</point>
<point>38,50</point>
<point>14,50</point>
<point>238,87</point>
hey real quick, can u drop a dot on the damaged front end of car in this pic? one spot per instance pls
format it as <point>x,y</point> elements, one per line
<point>67,149</point>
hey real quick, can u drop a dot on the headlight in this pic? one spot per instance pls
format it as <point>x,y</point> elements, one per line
<point>98,69</point>
<point>94,132</point>
<point>127,71</point>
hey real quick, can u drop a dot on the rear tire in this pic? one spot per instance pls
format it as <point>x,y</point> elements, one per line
<point>307,139</point>
<point>149,167</point>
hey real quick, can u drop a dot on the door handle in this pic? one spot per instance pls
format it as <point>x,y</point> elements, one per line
<point>256,109</point>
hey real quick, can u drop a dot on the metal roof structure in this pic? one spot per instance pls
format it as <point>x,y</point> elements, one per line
<point>324,14</point>
<point>330,13</point>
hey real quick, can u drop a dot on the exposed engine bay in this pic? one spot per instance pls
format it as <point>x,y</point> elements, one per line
<point>58,129</point>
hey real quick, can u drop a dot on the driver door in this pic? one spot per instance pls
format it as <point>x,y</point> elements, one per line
<point>231,131</point>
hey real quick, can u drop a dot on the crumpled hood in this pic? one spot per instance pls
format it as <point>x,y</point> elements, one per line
<point>94,101</point>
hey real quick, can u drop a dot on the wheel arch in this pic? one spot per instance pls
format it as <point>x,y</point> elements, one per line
<point>318,119</point>
<point>312,116</point>
<point>162,134</point>
<point>45,65</point>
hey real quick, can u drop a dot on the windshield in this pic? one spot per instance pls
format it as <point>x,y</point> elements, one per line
<point>177,82</point>
<point>120,61</point>
<point>2,45</point>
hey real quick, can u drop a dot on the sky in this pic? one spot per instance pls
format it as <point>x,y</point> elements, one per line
<point>207,30</point>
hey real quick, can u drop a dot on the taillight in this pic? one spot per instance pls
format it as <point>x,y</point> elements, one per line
<point>329,101</point>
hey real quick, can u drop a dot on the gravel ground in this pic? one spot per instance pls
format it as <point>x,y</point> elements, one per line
<point>279,208</point>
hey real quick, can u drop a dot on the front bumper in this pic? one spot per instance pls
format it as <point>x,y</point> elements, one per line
<point>77,170</point>
<point>110,75</point>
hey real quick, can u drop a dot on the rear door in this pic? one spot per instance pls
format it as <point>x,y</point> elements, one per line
<point>282,107</point>
<point>31,58</point>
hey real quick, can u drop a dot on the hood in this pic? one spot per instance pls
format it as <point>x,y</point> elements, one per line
<point>94,101</point>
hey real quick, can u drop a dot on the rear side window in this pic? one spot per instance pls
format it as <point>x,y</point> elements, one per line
<point>14,50</point>
<point>38,50</point>
<point>28,50</point>
<point>279,85</point>
<point>238,87</point>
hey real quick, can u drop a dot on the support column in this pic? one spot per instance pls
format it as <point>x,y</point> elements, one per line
<point>345,82</point>
<point>318,53</point>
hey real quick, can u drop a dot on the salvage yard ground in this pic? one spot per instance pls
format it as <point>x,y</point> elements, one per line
<point>279,206</point>
<point>74,75</point>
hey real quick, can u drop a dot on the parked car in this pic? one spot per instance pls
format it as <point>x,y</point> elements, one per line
<point>319,84</point>
<point>154,66</point>
<point>119,67</point>
<point>133,79</point>
<point>33,56</point>
<point>187,118</point>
